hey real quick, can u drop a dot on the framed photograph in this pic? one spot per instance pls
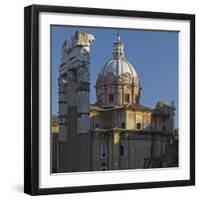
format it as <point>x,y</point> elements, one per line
<point>109,99</point>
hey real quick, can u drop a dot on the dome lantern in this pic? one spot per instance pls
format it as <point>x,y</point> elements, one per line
<point>118,48</point>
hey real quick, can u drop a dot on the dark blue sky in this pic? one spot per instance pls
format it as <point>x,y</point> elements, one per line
<point>154,55</point>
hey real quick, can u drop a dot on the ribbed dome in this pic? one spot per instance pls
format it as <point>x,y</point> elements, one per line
<point>118,64</point>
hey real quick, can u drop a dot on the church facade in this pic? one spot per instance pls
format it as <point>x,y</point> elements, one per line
<point>121,133</point>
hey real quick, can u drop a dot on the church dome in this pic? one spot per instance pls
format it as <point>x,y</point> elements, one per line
<point>118,65</point>
<point>117,82</point>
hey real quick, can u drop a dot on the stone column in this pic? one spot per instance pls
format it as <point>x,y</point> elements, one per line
<point>74,81</point>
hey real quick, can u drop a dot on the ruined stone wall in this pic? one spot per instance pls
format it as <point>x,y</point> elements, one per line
<point>140,150</point>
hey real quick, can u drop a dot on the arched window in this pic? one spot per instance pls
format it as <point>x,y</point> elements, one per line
<point>127,98</point>
<point>138,125</point>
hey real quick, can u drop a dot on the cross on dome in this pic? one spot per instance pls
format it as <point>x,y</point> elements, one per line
<point>118,36</point>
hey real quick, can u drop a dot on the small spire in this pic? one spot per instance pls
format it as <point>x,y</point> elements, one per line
<point>118,36</point>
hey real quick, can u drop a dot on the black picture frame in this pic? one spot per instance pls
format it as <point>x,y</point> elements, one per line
<point>31,98</point>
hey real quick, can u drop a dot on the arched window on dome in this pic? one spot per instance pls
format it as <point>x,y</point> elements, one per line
<point>127,98</point>
<point>137,99</point>
<point>99,99</point>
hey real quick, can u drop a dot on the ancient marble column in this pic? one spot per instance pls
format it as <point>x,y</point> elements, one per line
<point>74,123</point>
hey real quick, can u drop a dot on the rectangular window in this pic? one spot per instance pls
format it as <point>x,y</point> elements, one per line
<point>127,98</point>
<point>123,125</point>
<point>121,151</point>
<point>163,128</point>
<point>111,98</point>
<point>138,125</point>
<point>103,151</point>
<point>62,120</point>
<point>103,164</point>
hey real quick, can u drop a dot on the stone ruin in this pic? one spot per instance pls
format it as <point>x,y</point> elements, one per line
<point>74,83</point>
